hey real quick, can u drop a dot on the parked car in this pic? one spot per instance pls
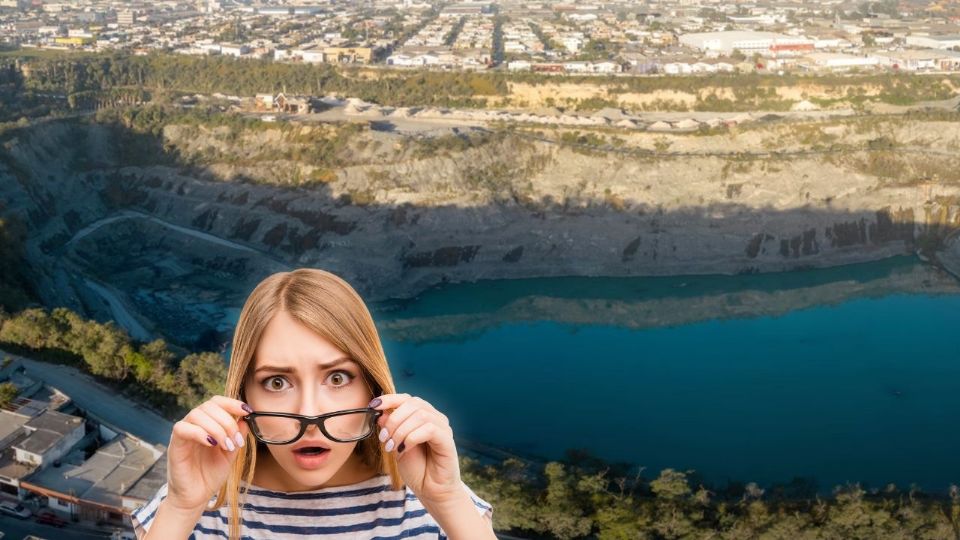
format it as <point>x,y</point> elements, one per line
<point>14,509</point>
<point>47,517</point>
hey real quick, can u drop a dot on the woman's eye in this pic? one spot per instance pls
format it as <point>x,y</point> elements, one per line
<point>340,378</point>
<point>274,383</point>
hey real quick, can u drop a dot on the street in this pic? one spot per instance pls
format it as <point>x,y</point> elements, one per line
<point>102,402</point>
<point>16,529</point>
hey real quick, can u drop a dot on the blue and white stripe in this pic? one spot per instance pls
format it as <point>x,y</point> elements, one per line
<point>368,509</point>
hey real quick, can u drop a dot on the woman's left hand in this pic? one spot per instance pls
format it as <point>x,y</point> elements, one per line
<point>423,440</point>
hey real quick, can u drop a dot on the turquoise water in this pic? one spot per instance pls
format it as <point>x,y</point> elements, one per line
<point>859,387</point>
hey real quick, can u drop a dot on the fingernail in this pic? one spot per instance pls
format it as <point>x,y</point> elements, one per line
<point>211,440</point>
<point>239,438</point>
<point>375,403</point>
<point>389,446</point>
<point>246,408</point>
<point>384,434</point>
<point>401,447</point>
<point>229,444</point>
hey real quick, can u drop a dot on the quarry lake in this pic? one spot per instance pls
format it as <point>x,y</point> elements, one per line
<point>848,374</point>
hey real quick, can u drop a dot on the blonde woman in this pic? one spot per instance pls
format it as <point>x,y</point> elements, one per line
<point>311,438</point>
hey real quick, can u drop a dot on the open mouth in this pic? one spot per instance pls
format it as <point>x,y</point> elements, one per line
<point>311,450</point>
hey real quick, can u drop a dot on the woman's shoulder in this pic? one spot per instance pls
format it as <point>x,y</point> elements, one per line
<point>480,504</point>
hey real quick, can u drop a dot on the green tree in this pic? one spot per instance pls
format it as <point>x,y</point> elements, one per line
<point>200,376</point>
<point>671,485</point>
<point>509,488</point>
<point>30,328</point>
<point>104,348</point>
<point>563,513</point>
<point>8,391</point>
<point>138,364</point>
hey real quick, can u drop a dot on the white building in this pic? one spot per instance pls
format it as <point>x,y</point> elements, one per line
<point>837,61</point>
<point>920,60</point>
<point>126,17</point>
<point>607,67</point>
<point>744,41</point>
<point>50,435</point>
<point>831,43</point>
<point>934,42</point>
<point>311,56</point>
<point>572,44</point>
<point>230,49</point>
<point>403,60</point>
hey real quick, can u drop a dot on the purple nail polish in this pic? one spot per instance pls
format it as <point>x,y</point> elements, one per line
<point>375,403</point>
<point>246,408</point>
<point>211,440</point>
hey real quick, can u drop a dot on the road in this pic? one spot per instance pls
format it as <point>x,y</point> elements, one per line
<point>16,529</point>
<point>123,313</point>
<point>102,402</point>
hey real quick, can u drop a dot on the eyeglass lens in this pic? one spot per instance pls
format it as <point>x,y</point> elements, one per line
<point>343,426</point>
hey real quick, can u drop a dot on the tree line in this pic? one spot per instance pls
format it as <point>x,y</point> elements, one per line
<point>185,74</point>
<point>103,77</point>
<point>150,372</point>
<point>583,497</point>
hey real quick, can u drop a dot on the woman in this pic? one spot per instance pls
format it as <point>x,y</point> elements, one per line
<point>275,463</point>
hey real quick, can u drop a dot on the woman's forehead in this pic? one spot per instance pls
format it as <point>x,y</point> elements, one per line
<point>287,341</point>
<point>301,363</point>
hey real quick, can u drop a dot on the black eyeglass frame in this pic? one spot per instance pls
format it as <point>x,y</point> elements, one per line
<point>306,421</point>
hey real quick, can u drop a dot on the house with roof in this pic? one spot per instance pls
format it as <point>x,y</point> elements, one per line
<point>12,472</point>
<point>295,104</point>
<point>920,60</point>
<point>944,41</point>
<point>50,435</point>
<point>97,488</point>
<point>81,469</point>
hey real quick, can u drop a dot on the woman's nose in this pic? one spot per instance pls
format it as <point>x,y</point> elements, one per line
<point>316,404</point>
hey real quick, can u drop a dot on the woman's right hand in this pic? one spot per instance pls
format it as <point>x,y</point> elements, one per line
<point>199,456</point>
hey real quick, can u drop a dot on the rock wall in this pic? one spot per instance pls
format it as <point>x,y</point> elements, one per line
<point>393,223</point>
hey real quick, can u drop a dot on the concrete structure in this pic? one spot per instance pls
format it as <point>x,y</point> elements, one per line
<point>934,42</point>
<point>12,471</point>
<point>75,41</point>
<point>231,49</point>
<point>312,56</point>
<point>348,55</point>
<point>745,42</point>
<point>95,489</point>
<point>15,4</point>
<point>837,61</point>
<point>44,452</point>
<point>50,436</point>
<point>126,17</point>
<point>920,60</point>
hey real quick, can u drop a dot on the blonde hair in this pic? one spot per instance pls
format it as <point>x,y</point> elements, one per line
<point>329,306</point>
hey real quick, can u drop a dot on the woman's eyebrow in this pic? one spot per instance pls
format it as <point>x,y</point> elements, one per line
<point>288,369</point>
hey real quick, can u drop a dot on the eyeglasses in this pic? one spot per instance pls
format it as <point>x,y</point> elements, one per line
<point>340,426</point>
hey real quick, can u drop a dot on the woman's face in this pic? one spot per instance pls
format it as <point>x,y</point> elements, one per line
<point>297,371</point>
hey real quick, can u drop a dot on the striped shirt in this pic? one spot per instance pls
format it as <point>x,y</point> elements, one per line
<point>369,509</point>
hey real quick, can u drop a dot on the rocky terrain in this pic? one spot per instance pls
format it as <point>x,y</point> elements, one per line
<point>167,228</point>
